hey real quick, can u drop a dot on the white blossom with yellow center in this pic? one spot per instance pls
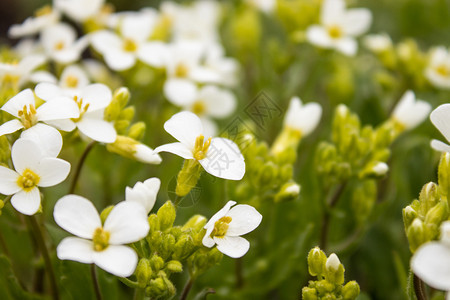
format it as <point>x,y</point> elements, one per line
<point>339,27</point>
<point>43,18</point>
<point>219,157</point>
<point>440,119</point>
<point>33,169</point>
<point>18,73</point>
<point>226,227</point>
<point>144,193</point>
<point>409,111</point>
<point>438,69</point>
<point>97,243</point>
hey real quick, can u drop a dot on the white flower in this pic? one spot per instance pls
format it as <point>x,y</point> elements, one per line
<point>219,157</point>
<point>438,69</point>
<point>302,118</point>
<point>101,244</point>
<point>144,192</point>
<point>431,262</point>
<point>20,73</point>
<point>266,6</point>
<point>209,102</point>
<point>73,79</point>
<point>440,119</point>
<point>121,52</point>
<point>226,68</point>
<point>32,170</point>
<point>80,10</point>
<point>339,27</point>
<point>377,42</point>
<point>61,45</point>
<point>90,103</point>
<point>226,227</point>
<point>44,17</point>
<point>23,107</point>
<point>410,111</point>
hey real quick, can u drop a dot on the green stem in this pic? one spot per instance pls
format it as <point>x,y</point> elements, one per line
<point>3,245</point>
<point>80,166</point>
<point>187,289</point>
<point>129,283</point>
<point>98,294</point>
<point>238,270</point>
<point>139,294</point>
<point>177,200</point>
<point>44,251</point>
<point>419,288</point>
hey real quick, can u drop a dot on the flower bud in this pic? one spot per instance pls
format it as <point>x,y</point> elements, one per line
<point>174,266</point>
<point>105,213</point>
<point>121,95</point>
<point>267,173</point>
<point>168,244</point>
<point>324,287</point>
<point>434,218</point>
<point>183,247</point>
<point>428,197</point>
<point>143,272</point>
<point>444,175</point>
<point>188,177</point>
<point>127,113</point>
<point>289,191</point>
<point>316,262</point>
<point>195,223</point>
<point>156,262</point>
<point>350,291</point>
<point>137,131</point>
<point>409,214</point>
<point>286,172</point>
<point>166,215</point>
<point>334,270</point>
<point>309,293</point>
<point>416,235</point>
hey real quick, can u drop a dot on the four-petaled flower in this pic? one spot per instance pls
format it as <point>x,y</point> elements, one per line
<point>438,69</point>
<point>101,244</point>
<point>226,227</point>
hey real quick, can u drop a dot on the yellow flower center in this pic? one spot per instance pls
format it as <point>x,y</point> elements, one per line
<point>28,180</point>
<point>82,107</point>
<point>201,147</point>
<point>335,32</point>
<point>181,70</point>
<point>443,70</point>
<point>221,227</point>
<point>28,116</point>
<point>71,81</point>
<point>198,107</point>
<point>45,10</point>
<point>10,80</point>
<point>100,239</point>
<point>129,45</point>
<point>59,45</point>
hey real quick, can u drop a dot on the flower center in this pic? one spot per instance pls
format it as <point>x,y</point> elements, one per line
<point>28,180</point>
<point>129,45</point>
<point>81,107</point>
<point>443,70</point>
<point>71,81</point>
<point>45,10</point>
<point>181,70</point>
<point>335,32</point>
<point>59,45</point>
<point>10,80</point>
<point>28,116</point>
<point>201,147</point>
<point>100,239</point>
<point>198,107</point>
<point>221,227</point>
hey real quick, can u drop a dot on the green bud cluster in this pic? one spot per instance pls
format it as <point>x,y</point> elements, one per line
<point>330,278</point>
<point>423,218</point>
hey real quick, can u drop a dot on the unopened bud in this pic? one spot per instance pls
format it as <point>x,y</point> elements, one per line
<point>350,291</point>
<point>121,95</point>
<point>166,215</point>
<point>289,191</point>
<point>309,293</point>
<point>444,175</point>
<point>416,235</point>
<point>127,113</point>
<point>429,197</point>
<point>316,262</point>
<point>156,263</point>
<point>183,247</point>
<point>174,266</point>
<point>409,214</point>
<point>137,131</point>
<point>334,270</point>
<point>143,272</point>
<point>105,213</point>
<point>195,223</point>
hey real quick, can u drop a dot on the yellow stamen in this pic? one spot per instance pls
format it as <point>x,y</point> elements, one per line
<point>100,239</point>
<point>28,180</point>
<point>59,45</point>
<point>201,148</point>
<point>221,227</point>
<point>443,70</point>
<point>198,107</point>
<point>28,118</point>
<point>181,70</point>
<point>129,45</point>
<point>45,10</point>
<point>81,107</point>
<point>335,31</point>
<point>71,81</point>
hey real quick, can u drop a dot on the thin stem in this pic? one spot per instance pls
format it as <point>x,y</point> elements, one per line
<point>98,294</point>
<point>177,200</point>
<point>139,294</point>
<point>129,283</point>
<point>419,288</point>
<point>44,251</point>
<point>238,270</point>
<point>187,289</point>
<point>3,245</point>
<point>329,204</point>
<point>80,166</point>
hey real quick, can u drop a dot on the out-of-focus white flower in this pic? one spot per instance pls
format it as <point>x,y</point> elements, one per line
<point>196,22</point>
<point>377,43</point>
<point>21,72</point>
<point>91,103</point>
<point>440,118</point>
<point>144,192</point>
<point>73,79</point>
<point>32,170</point>
<point>219,157</point>
<point>226,68</point>
<point>121,51</point>
<point>28,117</point>
<point>302,117</point>
<point>101,244</point>
<point>438,69</point>
<point>61,45</point>
<point>210,102</point>
<point>226,227</point>
<point>44,17</point>
<point>339,27</point>
<point>266,6</point>
<point>80,10</point>
<point>431,262</point>
<point>409,111</point>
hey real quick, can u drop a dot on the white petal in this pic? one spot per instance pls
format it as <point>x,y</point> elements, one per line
<point>153,184</point>
<point>177,149</point>
<point>356,21</point>
<point>74,71</point>
<point>104,41</point>
<point>146,155</point>
<point>117,260</point>
<point>440,146</point>
<point>76,249</point>
<point>185,127</point>
<point>64,125</point>
<point>220,103</point>
<point>120,60</point>
<point>127,223</point>
<point>42,76</point>
<point>332,11</point>
<point>347,46</point>
<point>16,103</point>
<point>233,246</point>
<point>27,203</point>
<point>180,92</point>
<point>209,126</point>
<point>210,225</point>
<point>47,91</point>
<point>46,137</point>
<point>77,215</point>
<point>303,117</point>
<point>244,218</point>
<point>154,54</point>
<point>318,36</point>
<point>224,160</point>
<point>431,263</point>
<point>8,181</point>
<point>144,193</point>
<point>98,130</point>
<point>25,154</point>
<point>58,108</point>
<point>10,127</point>
<point>439,117</point>
<point>52,171</point>
<point>97,95</point>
